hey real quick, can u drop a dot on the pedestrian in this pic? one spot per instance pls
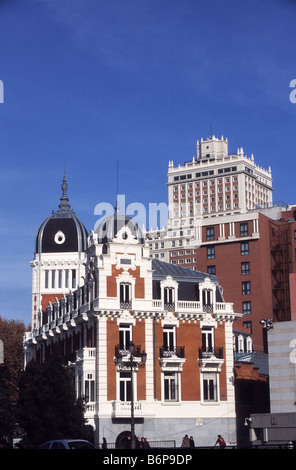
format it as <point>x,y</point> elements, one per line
<point>221,442</point>
<point>146,443</point>
<point>185,441</point>
<point>129,442</point>
<point>191,441</point>
<point>104,445</point>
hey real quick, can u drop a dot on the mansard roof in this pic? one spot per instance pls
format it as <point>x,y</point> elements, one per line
<point>187,279</point>
<point>162,269</point>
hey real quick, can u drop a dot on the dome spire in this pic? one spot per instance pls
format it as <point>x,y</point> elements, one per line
<point>64,205</point>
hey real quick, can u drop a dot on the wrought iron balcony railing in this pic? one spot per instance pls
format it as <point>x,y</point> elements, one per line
<point>169,306</point>
<point>178,351</point>
<point>205,353</point>
<point>124,351</point>
<point>126,305</point>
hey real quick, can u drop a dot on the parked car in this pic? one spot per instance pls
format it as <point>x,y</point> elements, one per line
<point>67,444</point>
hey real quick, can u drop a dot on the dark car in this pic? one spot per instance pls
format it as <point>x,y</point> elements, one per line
<point>67,444</point>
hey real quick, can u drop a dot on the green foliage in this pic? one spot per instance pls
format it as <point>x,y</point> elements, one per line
<point>47,407</point>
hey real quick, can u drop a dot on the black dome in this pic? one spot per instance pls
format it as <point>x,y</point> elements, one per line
<point>111,225</point>
<point>62,231</point>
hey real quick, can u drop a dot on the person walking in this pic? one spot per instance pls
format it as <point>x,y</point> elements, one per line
<point>191,441</point>
<point>221,442</point>
<point>185,441</point>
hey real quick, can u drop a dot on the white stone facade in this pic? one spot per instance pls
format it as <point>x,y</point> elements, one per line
<point>87,324</point>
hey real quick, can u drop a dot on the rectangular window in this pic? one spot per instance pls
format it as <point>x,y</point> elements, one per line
<point>212,270</point>
<point>125,386</point>
<point>244,229</point>
<point>46,278</point>
<point>247,324</point>
<point>211,252</point>
<point>207,339</point>
<point>125,336</point>
<point>210,233</point>
<point>89,386</point>
<point>171,386</point>
<point>169,297</point>
<point>73,278</point>
<point>169,338</point>
<point>246,288</point>
<point>53,279</point>
<point>67,278</point>
<point>245,268</point>
<point>210,386</point>
<point>244,249</point>
<point>60,277</point>
<point>125,295</point>
<point>247,308</point>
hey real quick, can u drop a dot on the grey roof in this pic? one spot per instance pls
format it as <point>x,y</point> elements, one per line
<point>162,269</point>
<point>66,221</point>
<point>187,279</point>
<point>111,225</point>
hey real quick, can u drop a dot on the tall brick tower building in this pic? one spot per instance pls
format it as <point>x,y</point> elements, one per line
<point>222,220</point>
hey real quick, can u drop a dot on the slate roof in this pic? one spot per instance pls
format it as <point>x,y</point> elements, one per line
<point>187,279</point>
<point>162,269</point>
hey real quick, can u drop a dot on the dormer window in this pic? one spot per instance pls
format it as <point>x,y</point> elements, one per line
<point>207,300</point>
<point>169,298</point>
<point>125,295</point>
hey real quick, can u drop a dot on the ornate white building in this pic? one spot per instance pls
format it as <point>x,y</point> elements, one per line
<point>177,316</point>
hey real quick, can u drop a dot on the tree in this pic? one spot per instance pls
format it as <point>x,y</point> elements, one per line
<point>7,421</point>
<point>47,406</point>
<point>11,333</point>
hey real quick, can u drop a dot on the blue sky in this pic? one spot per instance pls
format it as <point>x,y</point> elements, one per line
<point>89,83</point>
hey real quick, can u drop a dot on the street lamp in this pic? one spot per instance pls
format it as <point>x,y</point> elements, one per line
<point>266,325</point>
<point>132,364</point>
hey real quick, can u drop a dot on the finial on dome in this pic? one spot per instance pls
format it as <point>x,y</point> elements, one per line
<point>117,208</point>
<point>64,205</point>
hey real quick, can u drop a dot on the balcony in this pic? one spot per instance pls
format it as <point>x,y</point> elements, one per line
<point>86,354</point>
<point>122,351</point>
<point>122,409</point>
<point>172,358</point>
<point>206,353</point>
<point>194,307</point>
<point>169,306</point>
<point>210,359</point>
<point>126,305</point>
<point>177,351</point>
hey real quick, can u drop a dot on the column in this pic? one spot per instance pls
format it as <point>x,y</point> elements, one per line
<point>149,349</point>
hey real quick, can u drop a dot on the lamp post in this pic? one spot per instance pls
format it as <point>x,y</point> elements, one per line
<point>132,364</point>
<point>266,325</point>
